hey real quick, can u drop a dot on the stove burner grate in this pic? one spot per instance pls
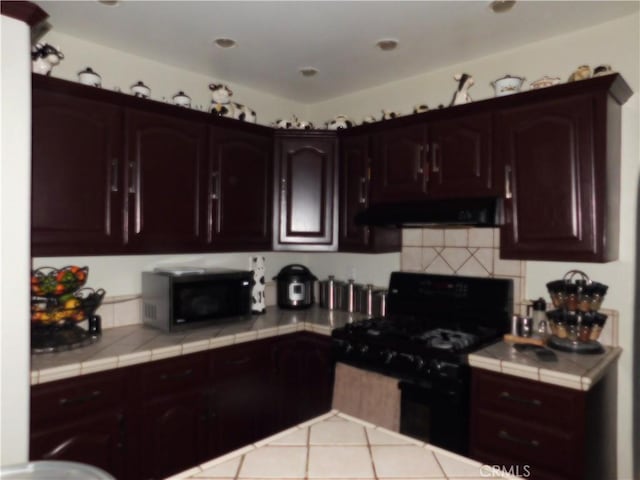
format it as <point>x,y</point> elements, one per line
<point>446,339</point>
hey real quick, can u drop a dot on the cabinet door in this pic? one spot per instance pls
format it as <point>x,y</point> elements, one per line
<point>354,191</point>
<point>76,176</point>
<point>174,433</point>
<point>306,203</point>
<point>97,440</point>
<point>399,170</point>
<point>355,175</point>
<point>548,154</point>
<point>239,190</point>
<point>461,157</point>
<point>303,374</point>
<point>241,395</point>
<point>165,158</point>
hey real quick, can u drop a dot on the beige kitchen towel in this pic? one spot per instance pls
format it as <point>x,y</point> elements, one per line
<point>367,395</point>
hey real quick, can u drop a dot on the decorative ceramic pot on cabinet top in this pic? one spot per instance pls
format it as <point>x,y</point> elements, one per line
<point>544,82</point>
<point>89,77</point>
<point>140,90</point>
<point>182,99</point>
<point>507,85</point>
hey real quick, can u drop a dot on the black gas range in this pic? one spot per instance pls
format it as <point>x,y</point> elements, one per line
<point>433,322</point>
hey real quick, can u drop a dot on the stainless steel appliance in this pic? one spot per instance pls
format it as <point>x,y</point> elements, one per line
<point>432,323</point>
<point>175,299</point>
<point>295,287</point>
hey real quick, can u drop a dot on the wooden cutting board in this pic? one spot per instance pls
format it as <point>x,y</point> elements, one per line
<point>535,340</point>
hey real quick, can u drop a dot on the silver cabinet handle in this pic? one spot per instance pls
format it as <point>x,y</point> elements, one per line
<point>507,182</point>
<point>132,177</point>
<point>114,175</point>
<point>83,399</point>
<point>214,185</point>
<point>504,435</point>
<point>362,191</point>
<point>435,161</point>
<point>513,398</point>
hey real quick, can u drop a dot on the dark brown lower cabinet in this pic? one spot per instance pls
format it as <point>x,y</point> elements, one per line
<point>544,431</point>
<point>99,440</point>
<point>153,420</point>
<point>303,377</point>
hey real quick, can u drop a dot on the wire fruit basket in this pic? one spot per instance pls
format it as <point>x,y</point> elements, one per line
<point>59,305</point>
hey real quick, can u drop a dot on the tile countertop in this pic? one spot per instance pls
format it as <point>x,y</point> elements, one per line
<point>338,446</point>
<point>571,370</point>
<point>130,345</point>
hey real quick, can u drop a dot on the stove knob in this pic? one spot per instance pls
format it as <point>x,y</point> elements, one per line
<point>347,347</point>
<point>418,363</point>
<point>387,356</point>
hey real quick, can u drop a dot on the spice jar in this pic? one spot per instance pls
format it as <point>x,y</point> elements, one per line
<point>560,324</point>
<point>584,330</point>
<point>556,292</point>
<point>572,328</point>
<point>599,320</point>
<point>571,297</point>
<point>599,291</point>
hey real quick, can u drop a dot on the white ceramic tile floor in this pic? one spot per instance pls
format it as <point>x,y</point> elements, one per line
<point>337,433</point>
<point>340,462</point>
<point>274,462</point>
<point>405,461</point>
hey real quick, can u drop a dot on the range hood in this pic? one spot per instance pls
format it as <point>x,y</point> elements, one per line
<point>472,212</point>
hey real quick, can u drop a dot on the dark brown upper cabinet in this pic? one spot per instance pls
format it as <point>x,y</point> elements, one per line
<point>355,174</point>
<point>305,191</point>
<point>460,157</point>
<point>163,177</point>
<point>77,177</point>
<point>399,168</point>
<point>239,190</point>
<point>561,160</point>
<point>440,158</point>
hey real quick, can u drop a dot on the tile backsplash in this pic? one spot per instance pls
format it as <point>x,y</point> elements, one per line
<point>471,252</point>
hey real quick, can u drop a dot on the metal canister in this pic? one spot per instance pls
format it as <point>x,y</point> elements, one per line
<point>348,297</point>
<point>327,292</point>
<point>379,303</point>
<point>364,299</point>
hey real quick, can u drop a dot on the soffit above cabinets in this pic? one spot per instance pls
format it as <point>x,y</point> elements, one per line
<point>275,40</point>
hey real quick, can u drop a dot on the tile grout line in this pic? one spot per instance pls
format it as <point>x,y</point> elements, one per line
<point>373,465</point>
<point>306,469</point>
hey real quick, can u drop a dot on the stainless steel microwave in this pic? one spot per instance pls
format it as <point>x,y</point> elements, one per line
<point>175,299</point>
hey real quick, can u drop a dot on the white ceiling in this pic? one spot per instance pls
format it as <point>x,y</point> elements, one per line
<point>276,39</point>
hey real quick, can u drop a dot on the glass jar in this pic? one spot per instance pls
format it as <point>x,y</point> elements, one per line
<point>572,328</point>
<point>598,323</point>
<point>571,297</point>
<point>584,329</point>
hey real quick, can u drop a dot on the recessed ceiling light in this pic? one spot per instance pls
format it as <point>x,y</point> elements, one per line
<point>109,3</point>
<point>501,6</point>
<point>308,71</point>
<point>387,44</point>
<point>224,42</point>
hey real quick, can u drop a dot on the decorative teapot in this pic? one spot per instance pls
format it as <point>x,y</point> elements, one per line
<point>507,85</point>
<point>140,90</point>
<point>89,77</point>
<point>182,99</point>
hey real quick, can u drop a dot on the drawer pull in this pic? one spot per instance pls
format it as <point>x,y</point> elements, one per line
<point>522,441</point>
<point>507,396</point>
<point>176,376</point>
<point>240,361</point>
<point>63,402</point>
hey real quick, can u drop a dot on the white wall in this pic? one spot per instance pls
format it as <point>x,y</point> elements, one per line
<point>616,43</point>
<point>121,69</point>
<point>15,178</point>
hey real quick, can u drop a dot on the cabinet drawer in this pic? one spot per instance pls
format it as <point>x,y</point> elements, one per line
<point>230,362</point>
<point>526,399</point>
<point>525,443</point>
<point>76,397</point>
<point>173,375</point>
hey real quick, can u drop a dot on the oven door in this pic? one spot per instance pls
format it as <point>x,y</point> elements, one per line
<point>436,413</point>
